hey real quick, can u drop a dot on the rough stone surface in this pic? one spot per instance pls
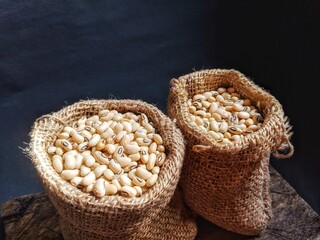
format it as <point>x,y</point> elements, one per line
<point>33,217</point>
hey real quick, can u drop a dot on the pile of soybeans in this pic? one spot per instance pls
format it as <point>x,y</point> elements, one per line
<point>109,153</point>
<point>224,115</point>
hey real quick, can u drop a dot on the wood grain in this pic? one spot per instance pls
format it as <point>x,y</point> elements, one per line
<point>33,217</point>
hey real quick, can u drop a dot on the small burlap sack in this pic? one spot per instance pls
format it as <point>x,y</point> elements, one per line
<point>229,184</point>
<point>157,214</point>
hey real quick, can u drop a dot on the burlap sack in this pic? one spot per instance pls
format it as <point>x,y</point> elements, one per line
<point>229,185</point>
<point>158,214</point>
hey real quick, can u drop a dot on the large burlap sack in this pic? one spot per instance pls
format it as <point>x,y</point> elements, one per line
<point>157,214</point>
<point>229,184</point>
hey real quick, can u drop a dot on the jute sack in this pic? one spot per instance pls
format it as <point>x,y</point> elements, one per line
<point>157,214</point>
<point>229,184</point>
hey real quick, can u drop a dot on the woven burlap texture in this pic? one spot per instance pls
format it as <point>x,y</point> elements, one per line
<point>159,214</point>
<point>229,185</point>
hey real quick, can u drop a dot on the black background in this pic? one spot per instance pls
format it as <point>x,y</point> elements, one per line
<point>54,53</point>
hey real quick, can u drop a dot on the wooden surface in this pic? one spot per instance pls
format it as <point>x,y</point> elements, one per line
<point>33,217</point>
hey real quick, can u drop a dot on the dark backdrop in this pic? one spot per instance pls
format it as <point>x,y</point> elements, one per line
<point>53,53</point>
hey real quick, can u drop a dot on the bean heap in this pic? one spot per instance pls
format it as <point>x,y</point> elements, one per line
<point>109,153</point>
<point>224,114</point>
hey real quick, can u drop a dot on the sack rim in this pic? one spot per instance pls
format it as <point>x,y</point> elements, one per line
<point>274,115</point>
<point>168,177</point>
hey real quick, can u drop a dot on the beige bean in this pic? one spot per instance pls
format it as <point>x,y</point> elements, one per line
<point>126,139</point>
<point>243,115</point>
<point>161,148</point>
<point>89,160</point>
<point>134,157</point>
<point>207,95</point>
<point>223,127</point>
<point>152,180</point>
<point>63,135</point>
<point>100,170</point>
<point>152,161</point>
<point>227,135</point>
<point>94,140</point>
<point>69,162</point>
<point>88,179</point>
<point>132,173</point>
<point>107,133</point>
<point>221,90</point>
<point>234,130</point>
<point>135,125</point>
<point>213,107</point>
<point>138,181</point>
<point>110,148</point>
<point>139,191</point>
<point>101,144</point>
<point>235,137</point>
<point>84,171</point>
<point>128,191</point>
<point>67,129</point>
<point>84,153</point>
<point>86,135</point>
<point>99,189</point>
<point>108,174</point>
<point>127,127</point>
<point>143,173</point>
<point>118,128</point>
<point>76,181</point>
<point>103,112</point>
<point>107,116</point>
<point>160,159</point>
<point>94,118</point>
<point>83,146</point>
<point>131,149</point>
<point>149,128</point>
<point>125,180</point>
<point>158,139</point>
<point>123,161</point>
<point>69,174</point>
<point>130,166</point>
<point>76,137</point>
<point>144,156</point>
<point>198,120</point>
<point>200,113</point>
<point>72,152</point>
<point>205,104</point>
<point>249,122</point>
<point>88,188</point>
<point>66,145</point>
<point>253,127</point>
<point>152,148</point>
<point>242,126</point>
<point>214,135</point>
<point>57,163</point>
<point>52,150</point>
<point>115,167</point>
<point>101,157</point>
<point>156,170</point>
<point>199,97</point>
<point>214,125</point>
<point>112,188</point>
<point>117,117</point>
<point>216,116</point>
<point>238,107</point>
<point>192,109</point>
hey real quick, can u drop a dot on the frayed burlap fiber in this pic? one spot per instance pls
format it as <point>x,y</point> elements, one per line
<point>157,214</point>
<point>229,184</point>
